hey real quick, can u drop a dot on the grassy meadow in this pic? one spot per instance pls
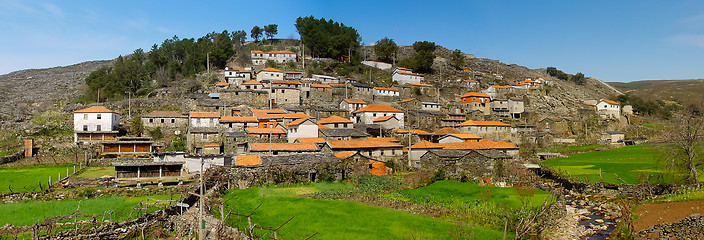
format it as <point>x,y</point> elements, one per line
<point>628,164</point>
<point>335,219</point>
<point>27,178</point>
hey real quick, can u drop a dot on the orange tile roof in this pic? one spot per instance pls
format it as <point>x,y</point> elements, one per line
<point>345,154</point>
<point>388,139</point>
<point>293,72</point>
<point>251,82</point>
<point>386,89</point>
<point>377,108</point>
<point>288,115</point>
<point>313,85</point>
<point>222,83</point>
<point>482,144</point>
<point>257,51</point>
<point>204,114</point>
<point>311,140</point>
<point>426,145</point>
<point>407,100</point>
<point>337,84</point>
<point>261,147</point>
<point>237,119</point>
<point>164,114</point>
<point>95,109</point>
<point>297,122</point>
<point>286,82</point>
<point>270,69</point>
<point>502,86</point>
<point>378,168</point>
<point>466,136</point>
<point>471,81</point>
<point>589,104</point>
<point>483,123</point>
<point>357,144</point>
<point>446,130</point>
<point>248,160</point>
<point>334,119</point>
<point>383,118</point>
<point>475,94</point>
<point>410,73</point>
<point>351,100</point>
<point>265,130</point>
<point>417,131</point>
<point>305,81</point>
<point>403,68</point>
<point>611,102</point>
<point>211,145</point>
<point>322,127</point>
<point>420,84</point>
<point>281,52</point>
<point>398,130</point>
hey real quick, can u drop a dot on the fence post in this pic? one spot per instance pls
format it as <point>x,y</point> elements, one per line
<point>74,169</point>
<point>50,181</point>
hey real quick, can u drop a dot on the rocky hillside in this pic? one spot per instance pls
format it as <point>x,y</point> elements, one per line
<point>28,92</point>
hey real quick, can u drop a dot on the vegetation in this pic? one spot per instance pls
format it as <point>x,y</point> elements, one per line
<point>422,59</point>
<point>457,59</point>
<point>630,164</point>
<point>136,126</point>
<point>385,50</point>
<point>646,107</point>
<point>559,74</point>
<point>574,148</point>
<point>333,219</point>
<point>29,212</point>
<point>29,178</point>
<point>686,153</point>
<point>327,38</point>
<point>95,172</point>
<point>256,33</point>
<point>271,30</point>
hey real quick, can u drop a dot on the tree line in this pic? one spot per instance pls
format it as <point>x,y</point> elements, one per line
<point>577,78</point>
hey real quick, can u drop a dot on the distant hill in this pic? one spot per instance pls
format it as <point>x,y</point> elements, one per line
<point>674,90</point>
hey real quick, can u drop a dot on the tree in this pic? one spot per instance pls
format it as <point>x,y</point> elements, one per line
<point>685,153</point>
<point>136,128</point>
<point>327,38</point>
<point>385,50</point>
<point>271,30</point>
<point>578,78</point>
<point>457,59</point>
<point>423,56</point>
<point>554,72</point>
<point>239,36</point>
<point>256,33</point>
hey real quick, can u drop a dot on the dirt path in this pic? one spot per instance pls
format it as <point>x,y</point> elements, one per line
<point>656,213</point>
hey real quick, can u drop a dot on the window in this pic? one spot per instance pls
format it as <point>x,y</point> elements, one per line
<point>99,117</point>
<point>97,128</point>
<point>85,127</point>
<point>162,120</point>
<point>205,136</point>
<point>173,120</point>
<point>335,125</point>
<point>151,120</point>
<point>85,116</point>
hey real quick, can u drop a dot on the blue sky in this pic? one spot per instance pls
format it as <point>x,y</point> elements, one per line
<point>611,40</point>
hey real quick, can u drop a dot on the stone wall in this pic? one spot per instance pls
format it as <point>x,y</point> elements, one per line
<point>11,158</point>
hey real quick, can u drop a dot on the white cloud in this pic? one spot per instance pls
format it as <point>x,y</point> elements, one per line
<point>688,39</point>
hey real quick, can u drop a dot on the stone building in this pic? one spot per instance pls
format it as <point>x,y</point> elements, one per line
<point>342,134</point>
<point>475,164</point>
<point>335,122</point>
<point>352,105</point>
<point>312,167</point>
<point>282,148</point>
<point>492,130</point>
<point>270,74</point>
<point>472,101</point>
<point>368,114</point>
<point>301,128</point>
<point>168,121</point>
<point>374,149</point>
<point>361,91</point>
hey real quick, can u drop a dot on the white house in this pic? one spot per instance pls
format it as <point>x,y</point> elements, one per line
<point>430,106</point>
<point>301,128</point>
<point>95,124</point>
<point>260,58</point>
<point>388,92</point>
<point>388,122</point>
<point>236,76</point>
<point>371,112</point>
<point>608,109</point>
<point>405,75</point>
<point>336,122</point>
<point>324,79</point>
<point>270,74</point>
<point>252,84</point>
<point>203,119</point>
<point>352,105</point>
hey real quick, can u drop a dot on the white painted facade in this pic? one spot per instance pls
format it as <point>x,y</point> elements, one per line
<point>403,76</point>
<point>385,92</point>
<point>266,75</point>
<point>608,109</point>
<point>430,106</point>
<point>368,117</point>
<point>307,129</point>
<point>95,122</point>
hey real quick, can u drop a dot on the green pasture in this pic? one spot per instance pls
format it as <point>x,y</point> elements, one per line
<point>28,178</point>
<point>30,212</point>
<point>334,219</point>
<point>574,148</point>
<point>450,192</point>
<point>630,164</point>
<point>96,172</point>
<point>689,195</point>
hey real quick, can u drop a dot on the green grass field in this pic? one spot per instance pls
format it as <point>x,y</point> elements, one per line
<point>690,195</point>
<point>28,213</point>
<point>628,163</point>
<point>27,179</point>
<point>334,219</point>
<point>574,149</point>
<point>96,172</point>
<point>447,192</point>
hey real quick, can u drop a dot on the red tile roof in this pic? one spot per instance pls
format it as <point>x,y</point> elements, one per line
<point>237,119</point>
<point>95,109</point>
<point>611,102</point>
<point>426,145</point>
<point>264,130</point>
<point>475,94</point>
<point>446,130</point>
<point>377,108</point>
<point>298,122</point>
<point>466,136</point>
<point>257,51</point>
<point>358,144</point>
<point>286,82</point>
<point>420,84</point>
<point>407,100</point>
<point>482,144</point>
<point>383,118</point>
<point>281,52</point>
<point>398,130</point>
<point>211,145</point>
<point>248,160</point>
<point>351,100</point>
<point>204,114</point>
<point>271,69</point>
<point>334,119</point>
<point>221,84</point>
<point>251,82</point>
<point>262,147</point>
<point>313,85</point>
<point>311,140</point>
<point>483,123</point>
<point>345,154</point>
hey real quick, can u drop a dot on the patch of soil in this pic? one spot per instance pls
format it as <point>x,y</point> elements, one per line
<point>656,213</point>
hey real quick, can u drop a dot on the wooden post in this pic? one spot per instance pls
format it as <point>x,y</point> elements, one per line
<point>49,181</point>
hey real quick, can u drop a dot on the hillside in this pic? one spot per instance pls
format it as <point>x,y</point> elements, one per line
<point>673,90</point>
<point>27,92</point>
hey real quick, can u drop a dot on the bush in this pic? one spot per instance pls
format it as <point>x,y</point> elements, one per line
<point>156,133</point>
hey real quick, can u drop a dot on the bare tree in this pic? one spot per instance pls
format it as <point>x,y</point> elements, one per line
<point>684,153</point>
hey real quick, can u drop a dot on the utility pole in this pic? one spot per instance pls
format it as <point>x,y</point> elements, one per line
<point>208,61</point>
<point>409,146</point>
<point>201,228</point>
<point>129,104</point>
<point>98,95</point>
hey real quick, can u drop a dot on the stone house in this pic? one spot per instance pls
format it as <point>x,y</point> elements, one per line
<point>388,122</point>
<point>385,92</point>
<point>431,106</point>
<point>613,137</point>
<point>198,137</point>
<point>268,132</point>
<point>286,84</point>
<point>301,128</point>
<point>318,93</point>
<point>410,104</point>
<point>235,142</point>
<point>95,124</point>
<point>285,96</point>
<point>203,119</point>
<point>373,149</point>
<point>419,149</point>
<point>362,165</point>
<point>361,91</point>
<point>475,163</point>
<point>254,98</point>
<point>238,123</point>
<point>368,114</point>
<point>270,74</point>
<point>342,134</point>
<point>352,105</point>
<point>252,85</point>
<point>260,58</point>
<point>472,101</point>
<point>335,122</point>
<point>486,129</point>
<point>459,137</point>
<point>282,148</point>
<point>168,121</point>
<point>325,79</point>
<point>453,119</point>
<point>405,75</point>
<point>295,168</point>
<point>290,75</point>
